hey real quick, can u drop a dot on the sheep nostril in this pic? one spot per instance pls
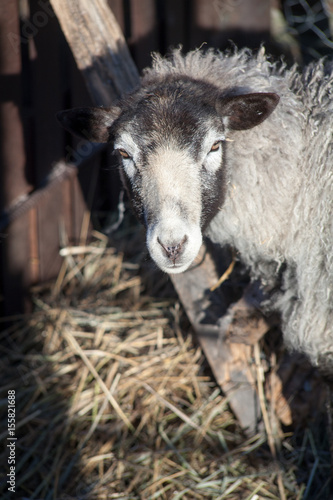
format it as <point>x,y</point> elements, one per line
<point>172,251</point>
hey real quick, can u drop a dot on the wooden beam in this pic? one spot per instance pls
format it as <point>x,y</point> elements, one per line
<point>99,48</point>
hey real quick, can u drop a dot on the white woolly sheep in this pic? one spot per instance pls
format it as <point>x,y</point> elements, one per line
<point>203,150</point>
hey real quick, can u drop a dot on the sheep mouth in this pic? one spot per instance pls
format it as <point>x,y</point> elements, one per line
<point>175,267</point>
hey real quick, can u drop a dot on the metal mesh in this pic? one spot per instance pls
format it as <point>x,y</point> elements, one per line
<point>312,24</point>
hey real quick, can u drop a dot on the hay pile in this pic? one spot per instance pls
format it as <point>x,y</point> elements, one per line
<point>114,401</point>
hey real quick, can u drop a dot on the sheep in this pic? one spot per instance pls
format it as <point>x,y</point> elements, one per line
<point>237,148</point>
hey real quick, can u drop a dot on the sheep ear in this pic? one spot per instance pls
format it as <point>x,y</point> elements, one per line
<point>242,112</point>
<point>91,124</point>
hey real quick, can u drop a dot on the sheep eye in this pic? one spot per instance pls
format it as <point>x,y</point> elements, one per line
<point>215,146</point>
<point>124,153</point>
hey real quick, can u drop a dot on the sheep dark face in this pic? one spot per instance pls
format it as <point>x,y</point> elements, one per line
<point>170,140</point>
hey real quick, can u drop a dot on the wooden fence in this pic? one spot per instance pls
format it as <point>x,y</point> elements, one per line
<point>43,197</point>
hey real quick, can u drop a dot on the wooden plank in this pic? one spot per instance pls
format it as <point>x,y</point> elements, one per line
<point>44,80</point>
<point>49,212</point>
<point>177,18</point>
<point>13,182</point>
<point>15,263</point>
<point>230,362</point>
<point>14,247</point>
<point>246,23</point>
<point>139,23</point>
<point>193,287</point>
<point>46,135</point>
<point>34,246</point>
<point>80,186</point>
<point>144,34</point>
<point>67,222</point>
<point>83,190</point>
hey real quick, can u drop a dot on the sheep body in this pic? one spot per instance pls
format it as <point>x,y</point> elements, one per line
<point>277,208</point>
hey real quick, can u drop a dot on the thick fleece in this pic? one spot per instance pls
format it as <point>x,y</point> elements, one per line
<point>278,210</point>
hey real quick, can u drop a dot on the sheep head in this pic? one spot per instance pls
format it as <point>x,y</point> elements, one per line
<point>170,139</point>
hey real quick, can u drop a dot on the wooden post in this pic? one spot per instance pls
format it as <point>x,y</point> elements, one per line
<point>100,51</point>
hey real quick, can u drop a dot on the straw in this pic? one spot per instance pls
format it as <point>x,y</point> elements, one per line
<point>114,399</point>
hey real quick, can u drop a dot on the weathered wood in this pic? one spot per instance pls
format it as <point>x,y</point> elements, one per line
<point>99,48</point>
<point>14,183</point>
<point>230,362</point>
<point>14,246</point>
<point>219,21</point>
<point>100,51</point>
<point>144,32</point>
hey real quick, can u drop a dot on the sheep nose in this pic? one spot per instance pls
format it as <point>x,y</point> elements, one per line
<point>173,250</point>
